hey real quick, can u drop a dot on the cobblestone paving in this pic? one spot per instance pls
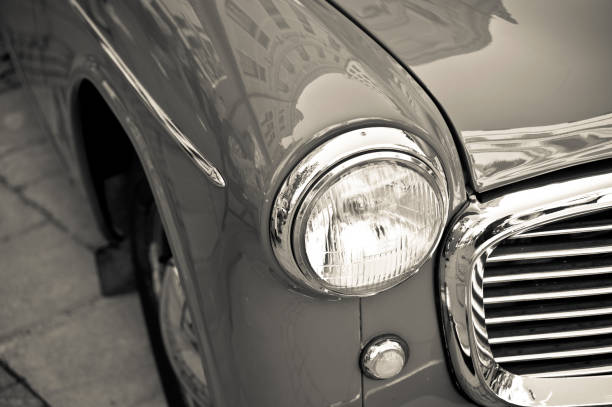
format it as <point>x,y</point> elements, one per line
<point>61,343</point>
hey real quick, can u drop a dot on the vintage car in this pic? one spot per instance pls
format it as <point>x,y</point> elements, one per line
<point>349,202</point>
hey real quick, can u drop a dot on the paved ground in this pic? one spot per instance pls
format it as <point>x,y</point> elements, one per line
<point>61,343</point>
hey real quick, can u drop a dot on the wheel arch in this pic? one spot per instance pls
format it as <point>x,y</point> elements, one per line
<point>121,104</point>
<point>102,149</point>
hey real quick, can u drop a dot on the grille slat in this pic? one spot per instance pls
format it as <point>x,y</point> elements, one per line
<point>579,272</point>
<point>548,295</point>
<point>547,298</point>
<point>518,255</point>
<point>554,355</point>
<point>548,316</point>
<point>575,372</point>
<point>564,231</point>
<point>551,335</point>
<point>544,327</point>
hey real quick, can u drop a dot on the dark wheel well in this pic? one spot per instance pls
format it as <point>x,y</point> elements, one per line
<point>114,179</point>
<point>106,155</point>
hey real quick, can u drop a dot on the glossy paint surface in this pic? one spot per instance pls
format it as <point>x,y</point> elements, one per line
<point>252,86</point>
<point>507,67</point>
<point>499,157</point>
<point>409,311</point>
<point>262,342</point>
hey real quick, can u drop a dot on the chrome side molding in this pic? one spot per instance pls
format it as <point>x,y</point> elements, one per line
<point>475,233</point>
<point>211,172</point>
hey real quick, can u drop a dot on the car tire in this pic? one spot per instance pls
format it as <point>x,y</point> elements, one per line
<point>145,229</point>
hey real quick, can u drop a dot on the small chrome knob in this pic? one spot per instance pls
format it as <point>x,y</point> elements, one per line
<point>384,357</point>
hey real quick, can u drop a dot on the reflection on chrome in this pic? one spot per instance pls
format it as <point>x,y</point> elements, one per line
<point>478,230</point>
<point>384,357</point>
<point>179,337</point>
<point>500,157</point>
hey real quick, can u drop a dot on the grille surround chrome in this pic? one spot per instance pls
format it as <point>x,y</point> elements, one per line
<point>475,233</point>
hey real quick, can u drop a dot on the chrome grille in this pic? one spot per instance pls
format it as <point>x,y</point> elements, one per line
<point>547,296</point>
<point>526,294</point>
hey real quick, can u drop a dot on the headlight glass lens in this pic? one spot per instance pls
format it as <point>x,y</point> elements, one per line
<point>372,225</point>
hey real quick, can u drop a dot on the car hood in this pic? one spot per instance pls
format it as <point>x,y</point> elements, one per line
<point>526,84</point>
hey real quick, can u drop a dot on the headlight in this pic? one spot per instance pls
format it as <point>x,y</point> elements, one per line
<point>361,213</point>
<point>368,223</point>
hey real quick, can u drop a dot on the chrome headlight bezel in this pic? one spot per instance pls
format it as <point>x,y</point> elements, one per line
<point>325,163</point>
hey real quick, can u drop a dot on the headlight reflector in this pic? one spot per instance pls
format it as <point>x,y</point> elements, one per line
<point>370,225</point>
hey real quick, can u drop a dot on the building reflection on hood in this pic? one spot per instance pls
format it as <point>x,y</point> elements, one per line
<point>422,31</point>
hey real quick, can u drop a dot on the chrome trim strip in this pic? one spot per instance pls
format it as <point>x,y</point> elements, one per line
<point>478,310</point>
<point>556,355</point>
<point>567,231</point>
<point>478,327</point>
<point>506,278</point>
<point>345,148</point>
<point>211,172</point>
<point>546,254</point>
<point>501,157</point>
<point>484,348</point>
<point>551,335</point>
<point>474,235</point>
<point>574,372</point>
<point>548,296</point>
<point>549,315</point>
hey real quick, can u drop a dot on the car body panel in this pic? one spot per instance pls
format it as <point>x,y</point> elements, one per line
<point>252,105</point>
<point>409,310</point>
<point>506,72</point>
